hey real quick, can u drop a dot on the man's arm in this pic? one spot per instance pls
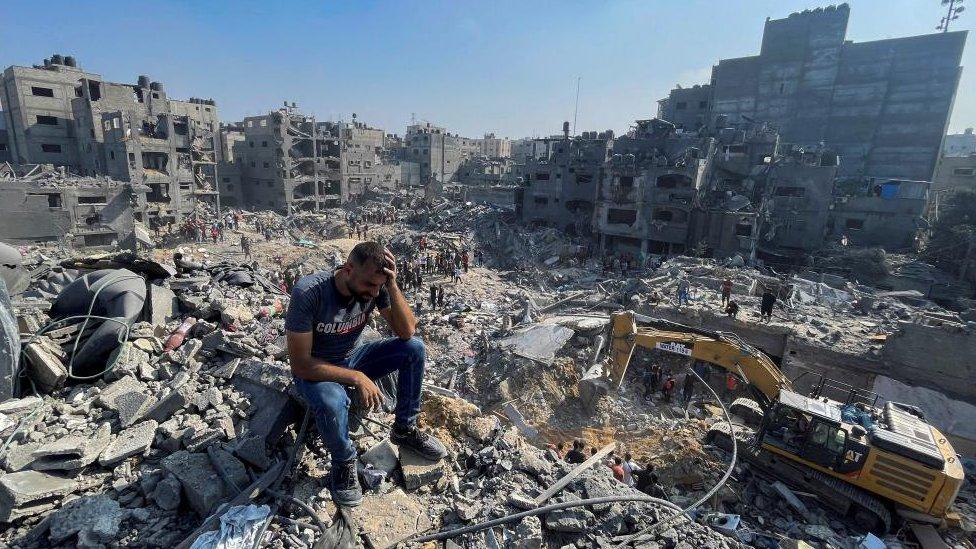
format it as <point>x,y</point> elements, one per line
<point>305,366</point>
<point>398,315</point>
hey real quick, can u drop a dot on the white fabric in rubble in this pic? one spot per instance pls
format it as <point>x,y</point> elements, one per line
<point>238,528</point>
<point>538,342</point>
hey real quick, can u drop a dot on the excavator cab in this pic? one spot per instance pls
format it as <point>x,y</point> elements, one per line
<point>813,431</point>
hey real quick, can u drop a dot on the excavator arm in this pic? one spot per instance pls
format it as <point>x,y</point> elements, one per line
<point>724,351</point>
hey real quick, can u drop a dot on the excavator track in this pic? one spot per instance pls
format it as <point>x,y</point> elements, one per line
<point>868,512</point>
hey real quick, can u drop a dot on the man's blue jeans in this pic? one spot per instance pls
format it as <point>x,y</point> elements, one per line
<point>330,403</point>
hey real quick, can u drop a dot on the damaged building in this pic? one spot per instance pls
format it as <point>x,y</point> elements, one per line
<point>883,105</point>
<point>40,204</point>
<point>286,160</point>
<point>560,190</point>
<point>56,113</point>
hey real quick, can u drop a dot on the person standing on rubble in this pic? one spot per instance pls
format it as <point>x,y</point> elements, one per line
<point>629,468</point>
<point>576,456</point>
<point>667,388</point>
<point>726,291</point>
<point>327,314</point>
<point>683,288</point>
<point>433,297</point>
<point>732,309</point>
<point>440,297</point>
<point>766,305</point>
<point>688,388</point>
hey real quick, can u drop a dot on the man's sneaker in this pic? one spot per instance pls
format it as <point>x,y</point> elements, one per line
<point>344,484</point>
<point>418,441</point>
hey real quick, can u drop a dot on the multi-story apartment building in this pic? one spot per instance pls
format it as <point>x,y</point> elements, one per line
<point>287,161</point>
<point>883,106</point>
<point>495,147</point>
<point>648,192</point>
<point>57,113</point>
<point>438,152</point>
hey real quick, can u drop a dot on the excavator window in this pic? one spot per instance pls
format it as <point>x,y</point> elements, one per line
<point>826,443</point>
<point>788,429</point>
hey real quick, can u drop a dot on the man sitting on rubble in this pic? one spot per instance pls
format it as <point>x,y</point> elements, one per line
<point>328,312</point>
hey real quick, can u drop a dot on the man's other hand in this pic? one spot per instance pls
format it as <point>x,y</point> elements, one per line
<point>369,394</point>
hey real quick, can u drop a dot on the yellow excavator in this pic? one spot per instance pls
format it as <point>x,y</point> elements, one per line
<point>863,457</point>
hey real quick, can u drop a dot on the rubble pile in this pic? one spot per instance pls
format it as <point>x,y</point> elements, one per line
<point>193,428</point>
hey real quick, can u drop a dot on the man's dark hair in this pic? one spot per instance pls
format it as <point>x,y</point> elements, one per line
<point>365,252</point>
<point>617,460</point>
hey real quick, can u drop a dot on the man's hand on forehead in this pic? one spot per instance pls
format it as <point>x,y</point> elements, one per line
<point>390,268</point>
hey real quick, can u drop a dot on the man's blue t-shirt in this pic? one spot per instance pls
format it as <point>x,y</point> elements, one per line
<point>335,320</point>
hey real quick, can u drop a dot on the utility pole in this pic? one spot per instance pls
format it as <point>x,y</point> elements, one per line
<point>576,110</point>
<point>952,13</point>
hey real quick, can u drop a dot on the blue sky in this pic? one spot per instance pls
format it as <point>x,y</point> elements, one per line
<point>508,67</point>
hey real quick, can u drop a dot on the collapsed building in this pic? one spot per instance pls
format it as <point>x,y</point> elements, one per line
<point>56,113</point>
<point>40,204</point>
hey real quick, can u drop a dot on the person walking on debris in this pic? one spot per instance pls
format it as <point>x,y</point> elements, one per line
<point>766,305</point>
<point>457,273</point>
<point>433,297</point>
<point>667,388</point>
<point>576,456</point>
<point>440,297</point>
<point>647,379</point>
<point>327,314</point>
<point>688,388</point>
<point>732,309</point>
<point>683,288</point>
<point>726,291</point>
<point>629,468</point>
<point>244,245</point>
<point>618,468</point>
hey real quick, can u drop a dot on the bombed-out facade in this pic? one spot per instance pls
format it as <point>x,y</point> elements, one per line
<point>56,113</point>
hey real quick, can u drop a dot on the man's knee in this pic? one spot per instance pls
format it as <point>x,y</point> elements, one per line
<point>326,396</point>
<point>414,347</point>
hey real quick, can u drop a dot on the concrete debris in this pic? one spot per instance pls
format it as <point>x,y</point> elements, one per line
<point>197,408</point>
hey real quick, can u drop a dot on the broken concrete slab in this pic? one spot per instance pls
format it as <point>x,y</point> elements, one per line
<point>27,493</point>
<point>383,456</point>
<point>96,520</point>
<point>201,482</point>
<point>71,452</point>
<point>165,407</point>
<point>20,457</point>
<point>45,369</point>
<point>167,493</point>
<point>110,394</point>
<point>131,407</point>
<point>163,305</point>
<point>132,441</point>
<point>230,469</point>
<point>419,471</point>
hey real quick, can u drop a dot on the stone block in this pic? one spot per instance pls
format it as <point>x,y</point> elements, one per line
<point>163,305</point>
<point>27,493</point>
<point>419,471</point>
<point>165,407</point>
<point>131,406</point>
<point>203,486</point>
<point>383,456</point>
<point>96,520</point>
<point>72,452</point>
<point>132,441</point>
<point>110,394</point>
<point>230,469</point>
<point>44,368</point>
<point>167,494</point>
